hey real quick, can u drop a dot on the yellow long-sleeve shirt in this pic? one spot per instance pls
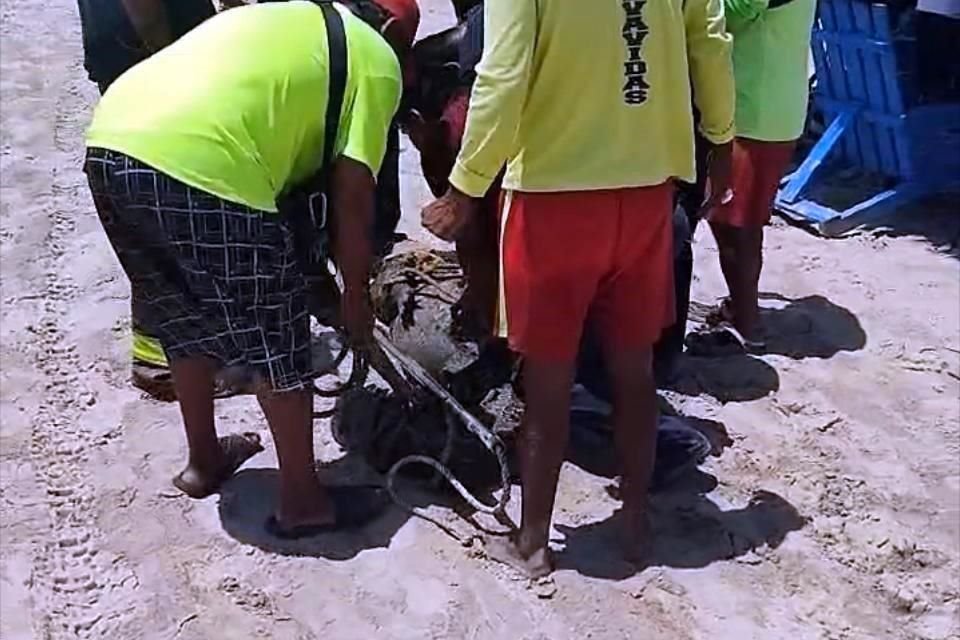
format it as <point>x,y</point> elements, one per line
<point>595,94</point>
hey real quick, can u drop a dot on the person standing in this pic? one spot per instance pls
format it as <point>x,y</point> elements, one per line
<point>186,184</point>
<point>592,145</point>
<point>117,34</point>
<point>771,50</point>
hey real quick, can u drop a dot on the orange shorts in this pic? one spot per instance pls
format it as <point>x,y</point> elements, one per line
<point>603,254</point>
<point>758,168</point>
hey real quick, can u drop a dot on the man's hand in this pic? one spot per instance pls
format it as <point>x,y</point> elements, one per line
<point>719,170</point>
<point>357,317</point>
<point>448,216</point>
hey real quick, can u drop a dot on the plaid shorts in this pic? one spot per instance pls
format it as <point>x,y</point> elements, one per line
<point>215,278</point>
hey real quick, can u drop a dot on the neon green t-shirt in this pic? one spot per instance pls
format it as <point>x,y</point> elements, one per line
<point>236,107</point>
<point>771,54</point>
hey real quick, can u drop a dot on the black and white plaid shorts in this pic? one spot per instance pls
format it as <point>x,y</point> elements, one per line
<point>215,278</point>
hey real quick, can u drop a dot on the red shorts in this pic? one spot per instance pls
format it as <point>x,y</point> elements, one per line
<point>758,168</point>
<point>606,254</point>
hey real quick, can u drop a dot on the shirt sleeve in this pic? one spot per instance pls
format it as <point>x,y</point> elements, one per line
<point>368,126</point>
<point>499,93</point>
<point>710,50</point>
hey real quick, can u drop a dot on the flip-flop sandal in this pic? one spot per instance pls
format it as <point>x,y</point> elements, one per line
<point>719,314</point>
<point>156,382</point>
<point>237,448</point>
<point>718,342</point>
<point>721,341</point>
<point>354,506</point>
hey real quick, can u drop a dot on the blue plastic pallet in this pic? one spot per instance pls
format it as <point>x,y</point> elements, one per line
<point>865,89</point>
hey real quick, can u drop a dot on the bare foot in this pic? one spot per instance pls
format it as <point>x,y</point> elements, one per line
<point>235,449</point>
<point>505,551</point>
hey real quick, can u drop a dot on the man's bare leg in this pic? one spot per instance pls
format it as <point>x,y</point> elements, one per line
<point>635,432</point>
<point>749,247</point>
<point>726,238</point>
<point>303,501</point>
<point>211,460</point>
<point>546,428</point>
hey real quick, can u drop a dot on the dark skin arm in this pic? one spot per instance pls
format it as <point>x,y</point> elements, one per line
<point>150,21</point>
<point>719,172</point>
<point>353,206</point>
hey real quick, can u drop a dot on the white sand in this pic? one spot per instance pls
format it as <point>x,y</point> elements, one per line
<point>857,432</point>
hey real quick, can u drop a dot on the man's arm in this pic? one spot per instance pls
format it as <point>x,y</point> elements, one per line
<point>354,194</point>
<point>353,207</point>
<point>496,104</point>
<point>710,48</point>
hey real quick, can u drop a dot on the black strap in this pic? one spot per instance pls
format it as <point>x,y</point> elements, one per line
<point>305,205</point>
<point>337,53</point>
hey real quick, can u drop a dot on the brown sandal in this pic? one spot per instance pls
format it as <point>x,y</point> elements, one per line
<point>237,448</point>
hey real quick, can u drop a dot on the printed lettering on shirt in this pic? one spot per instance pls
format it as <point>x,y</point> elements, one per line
<point>635,32</point>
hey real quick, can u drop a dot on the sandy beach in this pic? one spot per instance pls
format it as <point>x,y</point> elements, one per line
<point>831,510</point>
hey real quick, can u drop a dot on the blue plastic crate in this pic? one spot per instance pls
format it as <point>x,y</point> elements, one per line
<point>866,91</point>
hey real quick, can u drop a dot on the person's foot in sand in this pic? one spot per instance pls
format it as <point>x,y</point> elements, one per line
<point>544,438</point>
<point>532,563</point>
<point>304,504</point>
<point>205,472</point>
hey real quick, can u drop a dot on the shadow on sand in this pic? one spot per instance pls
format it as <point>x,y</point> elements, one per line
<point>810,327</point>
<point>250,497</point>
<point>935,219</point>
<point>735,378</point>
<point>689,531</point>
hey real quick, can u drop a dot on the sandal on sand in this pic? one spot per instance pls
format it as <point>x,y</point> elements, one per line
<point>721,341</point>
<point>354,507</point>
<point>237,448</point>
<point>153,380</point>
<point>720,314</point>
<point>157,382</point>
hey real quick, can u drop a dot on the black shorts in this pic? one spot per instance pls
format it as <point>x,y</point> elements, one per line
<point>214,278</point>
